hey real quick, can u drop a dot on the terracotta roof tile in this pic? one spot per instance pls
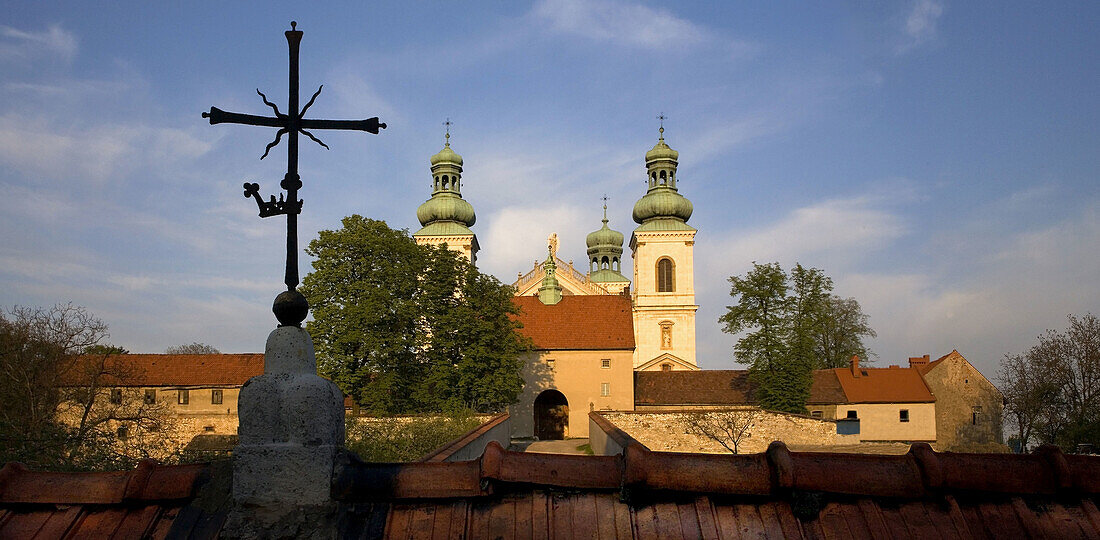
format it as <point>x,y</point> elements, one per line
<point>884,385</point>
<point>718,387</point>
<point>639,494</point>
<point>184,369</point>
<point>579,322</point>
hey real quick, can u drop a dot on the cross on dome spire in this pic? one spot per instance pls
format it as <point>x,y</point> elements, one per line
<point>662,117</point>
<point>604,207</point>
<point>447,136</point>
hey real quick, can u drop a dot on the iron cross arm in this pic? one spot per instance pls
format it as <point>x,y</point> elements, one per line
<point>218,116</point>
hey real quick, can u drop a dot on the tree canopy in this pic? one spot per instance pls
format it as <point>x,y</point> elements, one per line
<point>1052,391</point>
<point>406,328</point>
<point>192,348</point>
<point>791,325</point>
<point>57,407</point>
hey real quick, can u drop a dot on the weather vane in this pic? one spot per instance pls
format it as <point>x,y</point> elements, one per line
<point>290,307</point>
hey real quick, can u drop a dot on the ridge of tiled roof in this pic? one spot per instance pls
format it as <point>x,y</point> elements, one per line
<point>182,369</point>
<point>920,473</point>
<point>884,385</point>
<point>639,494</point>
<point>578,322</point>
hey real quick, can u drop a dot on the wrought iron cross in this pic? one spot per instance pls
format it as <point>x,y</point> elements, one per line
<point>290,307</point>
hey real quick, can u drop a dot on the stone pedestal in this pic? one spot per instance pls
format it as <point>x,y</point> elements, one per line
<point>291,433</point>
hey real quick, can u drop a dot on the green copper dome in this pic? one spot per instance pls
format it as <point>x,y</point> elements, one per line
<point>446,155</point>
<point>661,151</point>
<point>446,213</point>
<point>445,206</point>
<point>662,201</point>
<point>605,237</point>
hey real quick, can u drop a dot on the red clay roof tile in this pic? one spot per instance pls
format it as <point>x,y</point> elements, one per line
<point>183,369</point>
<point>579,322</point>
<point>884,385</point>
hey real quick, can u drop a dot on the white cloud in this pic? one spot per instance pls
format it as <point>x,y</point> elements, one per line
<point>55,41</point>
<point>621,23</point>
<point>516,237</point>
<point>920,24</point>
<point>99,153</point>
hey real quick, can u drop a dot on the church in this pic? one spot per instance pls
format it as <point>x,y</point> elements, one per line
<point>592,329</point>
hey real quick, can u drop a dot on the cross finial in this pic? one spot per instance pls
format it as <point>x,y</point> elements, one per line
<point>604,207</point>
<point>447,136</point>
<point>662,117</point>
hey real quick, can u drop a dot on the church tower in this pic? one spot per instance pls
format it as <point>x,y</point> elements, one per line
<point>446,218</point>
<point>605,252</point>
<point>664,286</point>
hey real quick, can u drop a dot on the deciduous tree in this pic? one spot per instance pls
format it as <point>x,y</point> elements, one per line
<point>407,328</point>
<point>792,325</point>
<point>192,348</point>
<point>57,408</point>
<point>1052,392</point>
<point>727,428</point>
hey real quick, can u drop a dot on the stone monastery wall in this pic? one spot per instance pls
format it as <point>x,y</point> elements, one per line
<point>668,432</point>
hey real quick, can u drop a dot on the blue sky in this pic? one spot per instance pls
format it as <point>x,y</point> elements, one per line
<point>938,159</point>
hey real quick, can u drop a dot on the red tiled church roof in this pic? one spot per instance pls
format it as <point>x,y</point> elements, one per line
<point>884,385</point>
<point>181,369</point>
<point>639,494</point>
<point>579,322</point>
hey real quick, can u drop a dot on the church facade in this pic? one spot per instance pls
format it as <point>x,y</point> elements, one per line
<point>592,327</point>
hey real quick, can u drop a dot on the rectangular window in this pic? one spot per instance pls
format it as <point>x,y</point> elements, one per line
<point>605,389</point>
<point>116,395</point>
<point>182,397</point>
<point>550,363</point>
<point>150,397</point>
<point>605,363</point>
<point>852,415</point>
<point>216,397</point>
<point>976,415</point>
<point>815,414</point>
<point>122,432</point>
<point>903,415</point>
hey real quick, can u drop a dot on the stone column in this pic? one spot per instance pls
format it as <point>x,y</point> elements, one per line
<point>291,433</point>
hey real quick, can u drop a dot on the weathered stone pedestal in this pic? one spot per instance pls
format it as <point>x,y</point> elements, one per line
<point>291,433</point>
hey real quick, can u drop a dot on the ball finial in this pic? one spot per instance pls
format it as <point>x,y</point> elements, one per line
<point>290,308</point>
<point>293,25</point>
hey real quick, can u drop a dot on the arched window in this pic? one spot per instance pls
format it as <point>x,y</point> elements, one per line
<point>664,180</point>
<point>665,278</point>
<point>445,179</point>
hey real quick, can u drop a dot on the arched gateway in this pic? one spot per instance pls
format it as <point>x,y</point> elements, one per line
<point>551,415</point>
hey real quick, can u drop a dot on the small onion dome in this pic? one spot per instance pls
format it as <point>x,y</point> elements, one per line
<point>662,202</point>
<point>446,207</point>
<point>606,236</point>
<point>661,151</point>
<point>446,155</point>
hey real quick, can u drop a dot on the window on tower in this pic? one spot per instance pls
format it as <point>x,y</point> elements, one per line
<point>665,279</point>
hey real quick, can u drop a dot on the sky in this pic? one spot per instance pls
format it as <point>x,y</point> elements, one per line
<point>938,159</point>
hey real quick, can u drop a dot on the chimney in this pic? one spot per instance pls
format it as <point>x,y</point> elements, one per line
<point>915,361</point>
<point>855,365</point>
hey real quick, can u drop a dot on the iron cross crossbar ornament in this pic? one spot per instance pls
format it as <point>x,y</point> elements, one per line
<point>290,307</point>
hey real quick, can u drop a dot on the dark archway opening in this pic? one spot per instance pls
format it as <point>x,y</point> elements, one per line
<point>551,415</point>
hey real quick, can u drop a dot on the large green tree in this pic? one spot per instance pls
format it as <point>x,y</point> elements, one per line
<point>791,325</point>
<point>405,328</point>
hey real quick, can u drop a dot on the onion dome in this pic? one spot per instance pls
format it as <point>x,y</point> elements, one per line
<point>662,201</point>
<point>605,237</point>
<point>446,155</point>
<point>446,213</point>
<point>605,251</point>
<point>446,207</point>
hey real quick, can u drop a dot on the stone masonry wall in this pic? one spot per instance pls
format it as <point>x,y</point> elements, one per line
<point>668,432</point>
